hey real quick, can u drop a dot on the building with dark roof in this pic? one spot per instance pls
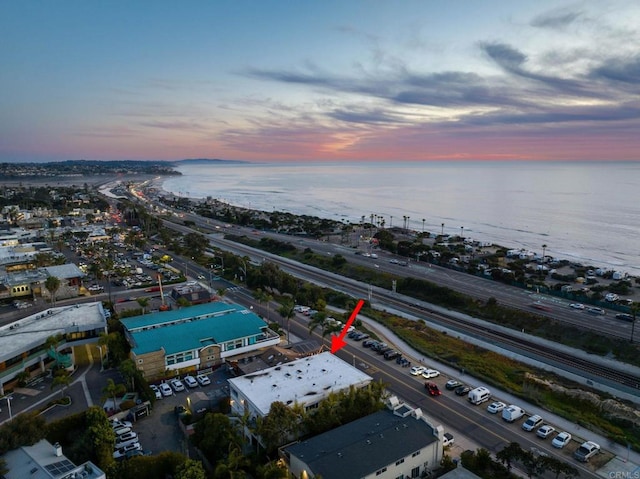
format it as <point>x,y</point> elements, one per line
<point>392,443</point>
<point>195,338</point>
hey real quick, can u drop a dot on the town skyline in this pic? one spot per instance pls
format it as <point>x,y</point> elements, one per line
<point>272,81</point>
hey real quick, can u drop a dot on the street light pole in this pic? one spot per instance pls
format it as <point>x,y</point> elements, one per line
<point>9,398</point>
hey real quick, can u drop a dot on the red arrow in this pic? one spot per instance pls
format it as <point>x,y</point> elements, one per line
<point>338,342</point>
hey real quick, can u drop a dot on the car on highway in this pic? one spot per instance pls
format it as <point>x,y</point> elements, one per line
<point>177,385</point>
<point>462,390</point>
<point>203,380</point>
<point>452,384</point>
<point>495,407</point>
<point>562,439</point>
<point>595,310</point>
<point>545,431</point>
<point>165,389</point>
<point>432,388</point>
<point>417,370</point>
<point>576,305</point>
<point>586,451</point>
<point>430,373</point>
<point>625,317</point>
<point>190,381</point>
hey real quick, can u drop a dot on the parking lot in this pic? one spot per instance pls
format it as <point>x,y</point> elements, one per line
<point>160,431</point>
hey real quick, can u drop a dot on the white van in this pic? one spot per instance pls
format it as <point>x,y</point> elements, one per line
<point>479,395</point>
<point>512,413</point>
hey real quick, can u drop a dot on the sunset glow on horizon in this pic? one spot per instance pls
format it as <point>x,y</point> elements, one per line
<point>312,81</point>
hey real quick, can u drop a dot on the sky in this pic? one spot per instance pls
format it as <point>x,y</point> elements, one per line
<point>330,80</point>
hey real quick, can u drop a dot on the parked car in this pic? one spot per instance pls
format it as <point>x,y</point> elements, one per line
<point>561,440</point>
<point>586,451</point>
<point>389,355</point>
<point>118,423</point>
<point>512,413</point>
<point>545,431</point>
<point>156,391</point>
<point>432,388</point>
<point>448,439</point>
<point>177,385</point>
<point>430,373</point>
<point>121,452</point>
<point>495,407</point>
<point>203,380</point>
<point>462,390</point>
<point>127,436</point>
<point>191,381</point>
<point>165,389</point>
<point>452,384</point>
<point>532,423</point>
<point>119,431</point>
<point>123,444</point>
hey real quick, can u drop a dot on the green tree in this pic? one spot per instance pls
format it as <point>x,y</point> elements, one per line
<point>129,372</point>
<point>52,283</point>
<point>61,378</point>
<point>113,390</point>
<point>213,435</point>
<point>190,469</point>
<point>281,424</point>
<point>143,301</point>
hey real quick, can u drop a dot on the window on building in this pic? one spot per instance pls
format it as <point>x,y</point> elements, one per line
<point>399,462</point>
<point>415,454</point>
<point>381,471</point>
<point>415,472</point>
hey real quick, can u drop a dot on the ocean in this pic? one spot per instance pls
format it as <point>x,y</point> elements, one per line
<point>582,211</point>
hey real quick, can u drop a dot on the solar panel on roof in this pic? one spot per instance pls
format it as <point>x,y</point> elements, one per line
<point>58,468</point>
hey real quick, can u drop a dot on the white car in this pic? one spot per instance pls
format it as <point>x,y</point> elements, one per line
<point>165,389</point>
<point>576,305</point>
<point>495,407</point>
<point>545,431</point>
<point>122,452</point>
<point>177,385</point>
<point>190,381</point>
<point>203,380</point>
<point>156,391</point>
<point>448,439</point>
<point>532,423</point>
<point>417,370</point>
<point>118,423</point>
<point>430,373</point>
<point>561,440</point>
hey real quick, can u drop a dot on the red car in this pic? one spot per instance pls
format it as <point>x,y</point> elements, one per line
<point>432,389</point>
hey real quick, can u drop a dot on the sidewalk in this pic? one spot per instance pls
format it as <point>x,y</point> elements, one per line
<point>625,464</point>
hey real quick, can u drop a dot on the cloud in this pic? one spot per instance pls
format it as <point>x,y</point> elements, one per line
<point>625,70</point>
<point>557,19</point>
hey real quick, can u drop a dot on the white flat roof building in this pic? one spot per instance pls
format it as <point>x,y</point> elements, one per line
<point>306,381</point>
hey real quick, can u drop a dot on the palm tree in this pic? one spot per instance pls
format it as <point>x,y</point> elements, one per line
<point>143,301</point>
<point>544,248</point>
<point>112,390</point>
<point>52,284</point>
<point>62,379</point>
<point>287,312</point>
<point>423,220</point>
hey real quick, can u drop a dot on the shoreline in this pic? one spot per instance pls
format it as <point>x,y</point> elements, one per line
<point>158,183</point>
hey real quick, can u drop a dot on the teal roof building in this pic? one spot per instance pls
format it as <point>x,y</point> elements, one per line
<point>195,338</point>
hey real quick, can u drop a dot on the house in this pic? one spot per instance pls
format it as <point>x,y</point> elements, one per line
<point>70,277</point>
<point>396,442</point>
<point>45,460</point>
<point>195,338</point>
<point>192,291</point>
